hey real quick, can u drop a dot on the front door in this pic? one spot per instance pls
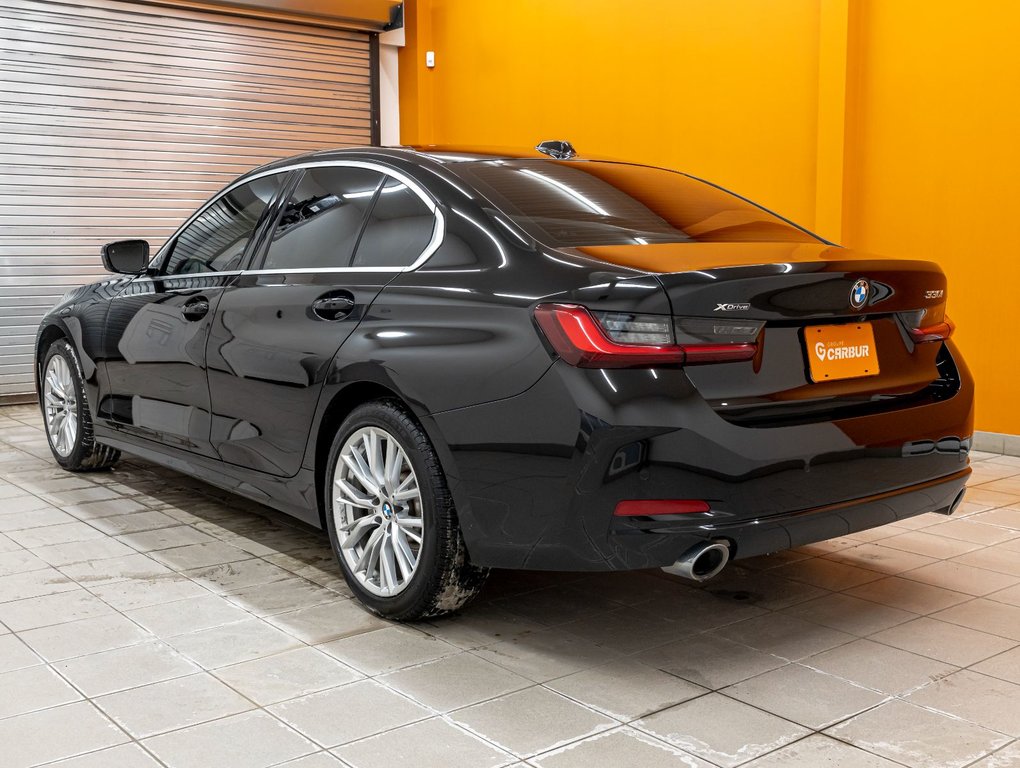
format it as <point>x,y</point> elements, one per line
<point>157,327</point>
<point>277,329</point>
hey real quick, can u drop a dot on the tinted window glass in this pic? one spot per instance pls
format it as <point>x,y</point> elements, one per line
<point>322,219</point>
<point>576,203</point>
<point>216,240</point>
<point>399,228</point>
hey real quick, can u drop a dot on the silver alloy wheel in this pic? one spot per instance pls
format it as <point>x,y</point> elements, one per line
<point>377,510</point>
<point>60,405</point>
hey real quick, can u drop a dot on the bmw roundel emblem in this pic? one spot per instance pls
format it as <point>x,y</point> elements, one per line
<point>859,294</point>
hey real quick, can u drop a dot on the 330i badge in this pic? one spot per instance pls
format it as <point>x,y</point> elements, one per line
<point>455,360</point>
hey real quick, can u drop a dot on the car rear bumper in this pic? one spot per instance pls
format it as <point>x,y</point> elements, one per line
<point>537,477</point>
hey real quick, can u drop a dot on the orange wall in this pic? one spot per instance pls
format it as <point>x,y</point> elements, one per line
<point>888,125</point>
<point>934,135</point>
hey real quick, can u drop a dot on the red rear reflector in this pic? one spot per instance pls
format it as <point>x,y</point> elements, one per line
<point>938,332</point>
<point>580,340</point>
<point>641,507</point>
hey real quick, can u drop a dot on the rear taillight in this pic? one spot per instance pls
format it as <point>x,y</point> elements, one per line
<point>938,332</point>
<point>628,340</point>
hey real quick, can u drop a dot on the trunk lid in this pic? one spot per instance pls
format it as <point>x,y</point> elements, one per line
<point>798,293</point>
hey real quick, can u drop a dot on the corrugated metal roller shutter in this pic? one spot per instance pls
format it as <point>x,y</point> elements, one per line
<point>118,119</point>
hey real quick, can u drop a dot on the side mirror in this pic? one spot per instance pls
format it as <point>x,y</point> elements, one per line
<point>129,257</point>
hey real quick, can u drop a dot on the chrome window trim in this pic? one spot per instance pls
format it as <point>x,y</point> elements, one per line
<point>438,230</point>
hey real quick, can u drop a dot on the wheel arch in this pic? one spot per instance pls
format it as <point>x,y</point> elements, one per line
<point>340,404</point>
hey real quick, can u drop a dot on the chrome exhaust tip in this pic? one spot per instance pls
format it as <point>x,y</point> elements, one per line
<point>955,505</point>
<point>702,561</point>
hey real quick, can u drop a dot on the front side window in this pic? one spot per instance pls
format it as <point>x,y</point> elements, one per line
<point>323,218</point>
<point>216,240</point>
<point>399,228</point>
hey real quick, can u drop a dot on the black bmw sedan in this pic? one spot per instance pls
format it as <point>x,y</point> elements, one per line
<point>456,360</point>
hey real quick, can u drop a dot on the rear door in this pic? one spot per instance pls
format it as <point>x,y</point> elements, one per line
<point>156,328</point>
<point>344,231</point>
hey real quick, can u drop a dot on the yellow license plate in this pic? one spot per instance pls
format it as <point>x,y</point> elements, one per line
<point>841,351</point>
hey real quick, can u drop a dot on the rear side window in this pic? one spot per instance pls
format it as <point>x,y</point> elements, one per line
<point>577,203</point>
<point>216,240</point>
<point>323,218</point>
<point>399,228</point>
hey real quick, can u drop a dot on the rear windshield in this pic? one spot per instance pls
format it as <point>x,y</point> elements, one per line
<point>575,203</point>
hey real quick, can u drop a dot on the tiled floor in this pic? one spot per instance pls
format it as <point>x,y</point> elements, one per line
<point>147,619</point>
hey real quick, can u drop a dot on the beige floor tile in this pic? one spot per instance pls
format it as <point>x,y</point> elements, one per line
<point>785,636</point>
<point>328,621</point>
<point>827,574</point>
<point>918,737</point>
<point>14,654</point>
<point>249,740</point>
<point>172,704</point>
<point>281,596</point>
<point>52,609</point>
<point>722,730</point>
<point>626,689</point>
<point>943,641</point>
<point>388,649</point>
<point>994,558</point>
<point>908,595</point>
<point>761,589</point>
<point>929,545</point>
<point>189,615</point>
<point>985,616</point>
<point>34,583</point>
<point>124,668</point>
<point>542,656</point>
<point>33,688</point>
<point>432,743</point>
<point>81,638</point>
<point>973,531</point>
<point>127,595</point>
<point>619,747</point>
<point>1005,666</point>
<point>286,675</point>
<point>318,760</point>
<point>202,555</point>
<point>19,561</point>
<point>52,734</point>
<point>710,661</point>
<point>805,696</point>
<point>51,534</point>
<point>131,567</point>
<point>124,756</point>
<point>818,751</point>
<point>348,713</point>
<point>556,605</point>
<point>483,624</point>
<point>1010,595</point>
<point>1003,517</point>
<point>980,699</point>
<point>164,538</point>
<point>952,574</point>
<point>11,523</point>
<point>233,643</point>
<point>231,577</point>
<point>531,721</point>
<point>82,551</point>
<point>135,522</point>
<point>849,614</point>
<point>627,630</point>
<point>1008,757</point>
<point>880,667</point>
<point>878,557</point>
<point>453,682</point>
<point>108,508</point>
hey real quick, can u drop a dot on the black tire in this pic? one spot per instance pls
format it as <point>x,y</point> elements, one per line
<point>87,455</point>
<point>444,579</point>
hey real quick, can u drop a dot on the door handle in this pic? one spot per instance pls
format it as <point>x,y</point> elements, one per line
<point>333,306</point>
<point>196,308</point>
